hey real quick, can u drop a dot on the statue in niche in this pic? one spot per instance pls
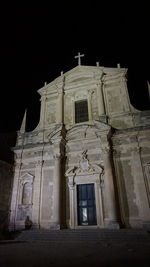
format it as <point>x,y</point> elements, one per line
<point>27,194</point>
<point>84,163</point>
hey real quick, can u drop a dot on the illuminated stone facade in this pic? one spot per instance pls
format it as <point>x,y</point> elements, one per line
<point>90,174</point>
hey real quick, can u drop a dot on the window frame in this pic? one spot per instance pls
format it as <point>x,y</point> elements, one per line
<point>75,112</point>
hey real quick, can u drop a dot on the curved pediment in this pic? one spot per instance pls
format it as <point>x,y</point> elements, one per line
<point>57,132</point>
<point>87,130</point>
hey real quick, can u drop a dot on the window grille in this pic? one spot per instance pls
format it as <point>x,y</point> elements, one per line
<point>81,111</point>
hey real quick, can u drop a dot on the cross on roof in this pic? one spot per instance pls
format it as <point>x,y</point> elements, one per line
<point>79,58</point>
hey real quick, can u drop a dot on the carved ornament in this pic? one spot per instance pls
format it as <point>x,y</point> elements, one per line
<point>84,167</point>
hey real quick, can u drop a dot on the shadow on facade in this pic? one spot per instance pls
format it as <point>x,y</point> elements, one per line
<point>7,140</point>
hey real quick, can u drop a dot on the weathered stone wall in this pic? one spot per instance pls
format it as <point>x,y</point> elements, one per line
<point>131,158</point>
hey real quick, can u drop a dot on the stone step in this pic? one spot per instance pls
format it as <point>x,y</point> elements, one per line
<point>84,235</point>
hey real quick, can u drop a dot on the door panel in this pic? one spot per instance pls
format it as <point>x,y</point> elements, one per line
<point>86,204</point>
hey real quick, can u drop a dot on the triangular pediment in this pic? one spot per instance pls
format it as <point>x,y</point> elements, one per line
<point>82,73</point>
<point>27,177</point>
<point>75,75</point>
<point>79,74</point>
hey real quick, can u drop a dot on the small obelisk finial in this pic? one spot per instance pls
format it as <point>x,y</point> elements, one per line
<point>23,125</point>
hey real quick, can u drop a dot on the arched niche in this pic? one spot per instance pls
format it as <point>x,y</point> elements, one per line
<point>26,189</point>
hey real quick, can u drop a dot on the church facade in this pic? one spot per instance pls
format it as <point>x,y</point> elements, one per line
<point>87,163</point>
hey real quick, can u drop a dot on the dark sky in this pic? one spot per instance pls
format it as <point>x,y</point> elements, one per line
<point>39,41</point>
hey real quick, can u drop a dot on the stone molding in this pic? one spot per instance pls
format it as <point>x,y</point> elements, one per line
<point>84,167</point>
<point>94,128</point>
<point>26,177</point>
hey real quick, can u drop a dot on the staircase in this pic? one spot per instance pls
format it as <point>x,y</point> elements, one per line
<point>96,235</point>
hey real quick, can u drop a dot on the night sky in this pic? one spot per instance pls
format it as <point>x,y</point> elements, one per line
<point>39,41</point>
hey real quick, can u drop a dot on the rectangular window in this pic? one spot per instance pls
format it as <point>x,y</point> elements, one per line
<point>81,111</point>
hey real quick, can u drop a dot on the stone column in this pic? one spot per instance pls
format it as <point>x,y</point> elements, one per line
<point>71,202</point>
<point>110,209</point>
<point>57,192</point>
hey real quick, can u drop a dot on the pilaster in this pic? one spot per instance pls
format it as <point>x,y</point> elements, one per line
<point>37,194</point>
<point>57,193</point>
<point>110,209</point>
<point>140,189</point>
<point>72,202</point>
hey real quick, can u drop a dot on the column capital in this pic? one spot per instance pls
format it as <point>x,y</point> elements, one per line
<point>57,156</point>
<point>106,150</point>
<point>136,150</point>
<point>39,163</point>
<point>71,186</point>
<point>100,181</point>
<point>116,153</point>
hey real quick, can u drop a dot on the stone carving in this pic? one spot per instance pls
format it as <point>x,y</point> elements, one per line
<point>85,167</point>
<point>84,163</point>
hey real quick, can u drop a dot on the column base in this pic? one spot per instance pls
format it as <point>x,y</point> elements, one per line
<point>11,227</point>
<point>103,118</point>
<point>110,224</point>
<point>146,225</point>
<point>55,226</point>
<point>135,223</point>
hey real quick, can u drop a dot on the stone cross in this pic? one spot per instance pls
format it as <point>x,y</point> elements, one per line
<point>118,65</point>
<point>79,58</point>
<point>97,64</point>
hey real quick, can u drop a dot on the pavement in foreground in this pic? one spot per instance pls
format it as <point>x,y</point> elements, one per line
<point>77,248</point>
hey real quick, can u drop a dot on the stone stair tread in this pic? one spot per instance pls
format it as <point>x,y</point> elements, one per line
<point>84,235</point>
